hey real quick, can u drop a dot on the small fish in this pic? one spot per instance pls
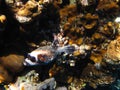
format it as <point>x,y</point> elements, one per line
<point>46,54</point>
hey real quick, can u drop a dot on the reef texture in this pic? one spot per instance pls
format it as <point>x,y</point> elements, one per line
<point>91,27</point>
<point>113,52</point>
<point>30,82</point>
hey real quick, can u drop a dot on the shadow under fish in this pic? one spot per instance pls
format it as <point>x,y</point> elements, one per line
<point>47,54</point>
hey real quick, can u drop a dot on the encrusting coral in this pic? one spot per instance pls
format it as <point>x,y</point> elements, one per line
<point>108,8</point>
<point>107,5</point>
<point>89,21</point>
<point>112,55</point>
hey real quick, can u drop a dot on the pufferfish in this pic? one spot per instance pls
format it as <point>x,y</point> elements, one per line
<point>46,54</point>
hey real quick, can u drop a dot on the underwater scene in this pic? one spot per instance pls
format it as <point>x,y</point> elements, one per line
<point>59,44</point>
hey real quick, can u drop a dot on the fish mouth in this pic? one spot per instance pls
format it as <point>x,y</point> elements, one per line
<point>23,19</point>
<point>28,62</point>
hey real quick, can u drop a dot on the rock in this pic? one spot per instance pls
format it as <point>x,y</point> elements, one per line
<point>95,77</point>
<point>24,11</point>
<point>61,88</point>
<point>12,62</point>
<point>26,82</point>
<point>4,75</point>
<point>38,86</point>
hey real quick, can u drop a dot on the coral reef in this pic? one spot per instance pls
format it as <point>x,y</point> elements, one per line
<point>30,81</point>
<point>112,53</point>
<point>71,44</point>
<point>26,11</point>
<point>4,75</point>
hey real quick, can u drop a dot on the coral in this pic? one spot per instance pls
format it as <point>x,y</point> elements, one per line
<point>97,38</point>
<point>79,26</point>
<point>77,84</point>
<point>25,13</point>
<point>30,81</point>
<point>97,58</point>
<point>68,11</point>
<point>77,41</point>
<point>96,77</point>
<point>89,21</point>
<point>107,8</point>
<point>113,50</point>
<point>107,5</point>
<point>110,29</point>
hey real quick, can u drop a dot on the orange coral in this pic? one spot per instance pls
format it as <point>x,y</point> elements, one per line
<point>97,38</point>
<point>113,51</point>
<point>109,29</point>
<point>68,11</point>
<point>96,58</point>
<point>90,16</point>
<point>89,21</point>
<point>107,5</point>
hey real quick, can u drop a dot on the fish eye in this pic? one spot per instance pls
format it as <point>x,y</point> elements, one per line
<point>33,59</point>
